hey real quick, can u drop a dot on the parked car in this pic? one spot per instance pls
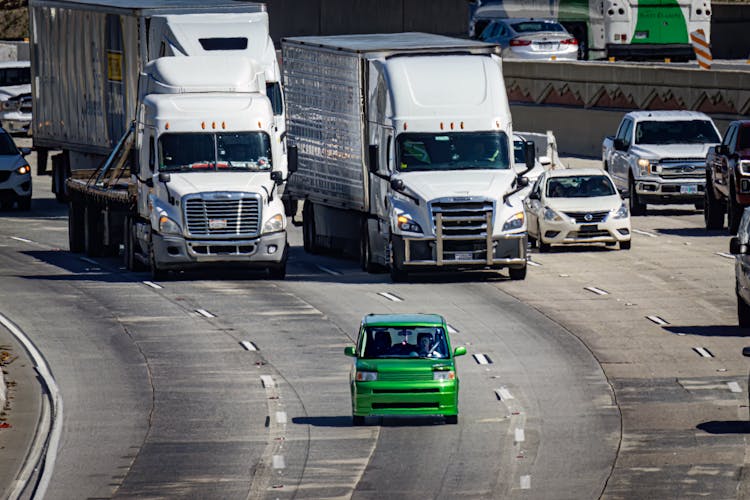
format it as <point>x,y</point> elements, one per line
<point>530,38</point>
<point>15,96</point>
<point>404,365</point>
<point>660,157</point>
<point>728,178</point>
<point>739,246</point>
<point>15,174</point>
<point>575,206</point>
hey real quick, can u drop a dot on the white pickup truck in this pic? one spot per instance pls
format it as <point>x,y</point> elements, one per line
<point>659,157</point>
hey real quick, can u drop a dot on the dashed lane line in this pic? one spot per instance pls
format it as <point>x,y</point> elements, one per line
<point>280,417</point>
<point>725,255</point>
<point>482,359</point>
<point>391,297</point>
<point>645,233</point>
<point>329,271</point>
<point>205,313</point>
<point>525,482</point>
<point>703,352</point>
<point>278,462</point>
<point>249,346</point>
<point>657,320</point>
<point>452,330</point>
<point>24,240</point>
<point>734,386</point>
<point>519,435</point>
<point>596,290</point>
<point>267,381</point>
<point>503,394</point>
<point>153,285</point>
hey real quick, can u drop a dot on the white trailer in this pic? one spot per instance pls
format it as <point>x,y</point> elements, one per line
<point>405,152</point>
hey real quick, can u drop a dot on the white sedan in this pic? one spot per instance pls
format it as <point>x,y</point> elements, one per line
<point>575,206</point>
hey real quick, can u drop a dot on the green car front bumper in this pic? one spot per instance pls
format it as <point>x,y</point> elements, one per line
<point>434,397</point>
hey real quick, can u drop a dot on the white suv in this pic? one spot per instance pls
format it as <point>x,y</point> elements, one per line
<point>15,96</point>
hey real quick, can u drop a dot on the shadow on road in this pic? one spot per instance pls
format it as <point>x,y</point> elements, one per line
<point>709,330</point>
<point>390,421</point>
<point>692,232</point>
<point>343,421</point>
<point>725,427</point>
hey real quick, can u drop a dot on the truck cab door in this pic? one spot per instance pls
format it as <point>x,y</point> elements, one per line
<point>148,168</point>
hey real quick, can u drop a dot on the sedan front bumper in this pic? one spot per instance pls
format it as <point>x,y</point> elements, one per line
<point>570,232</point>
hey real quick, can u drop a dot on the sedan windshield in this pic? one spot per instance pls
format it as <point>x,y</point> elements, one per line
<point>579,186</point>
<point>207,151</point>
<point>405,342</point>
<point>676,132</point>
<point>534,26</point>
<point>453,151</point>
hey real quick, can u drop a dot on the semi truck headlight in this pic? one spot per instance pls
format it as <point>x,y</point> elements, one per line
<point>366,376</point>
<point>621,212</point>
<point>23,170</point>
<point>168,226</point>
<point>274,224</point>
<point>551,215</point>
<point>514,222</point>
<point>405,223</point>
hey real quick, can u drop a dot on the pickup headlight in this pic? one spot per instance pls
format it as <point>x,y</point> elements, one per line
<point>168,226</point>
<point>622,212</point>
<point>366,376</point>
<point>644,165</point>
<point>23,170</point>
<point>514,222</point>
<point>274,224</point>
<point>745,167</point>
<point>551,215</point>
<point>405,223</point>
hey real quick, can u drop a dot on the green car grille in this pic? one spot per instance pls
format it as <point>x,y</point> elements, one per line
<point>404,376</point>
<point>377,406</point>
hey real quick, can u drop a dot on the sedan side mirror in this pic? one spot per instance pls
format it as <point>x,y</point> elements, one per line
<point>735,247</point>
<point>459,351</point>
<point>349,351</point>
<point>25,151</point>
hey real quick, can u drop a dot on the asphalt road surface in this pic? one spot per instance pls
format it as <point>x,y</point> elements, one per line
<point>605,374</point>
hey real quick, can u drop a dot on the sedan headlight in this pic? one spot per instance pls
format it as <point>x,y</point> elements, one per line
<point>168,226</point>
<point>622,212</point>
<point>405,223</point>
<point>514,222</point>
<point>23,170</point>
<point>551,215</point>
<point>274,224</point>
<point>366,376</point>
<point>444,375</point>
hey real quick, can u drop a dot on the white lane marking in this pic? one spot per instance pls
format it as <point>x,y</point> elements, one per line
<point>280,417</point>
<point>278,462</point>
<point>329,271</point>
<point>725,255</point>
<point>153,285</point>
<point>532,263</point>
<point>17,238</point>
<point>90,261</point>
<point>503,394</point>
<point>205,313</point>
<point>734,387</point>
<point>703,352</point>
<point>249,346</point>
<point>452,330</point>
<point>525,482</point>
<point>596,290</point>
<point>520,436</point>
<point>390,297</point>
<point>482,359</point>
<point>267,381</point>
<point>645,233</point>
<point>657,320</point>
<point>565,276</point>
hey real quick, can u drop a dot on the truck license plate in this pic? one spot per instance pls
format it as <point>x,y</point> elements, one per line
<point>464,256</point>
<point>689,189</point>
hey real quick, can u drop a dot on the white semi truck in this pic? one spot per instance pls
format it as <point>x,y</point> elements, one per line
<point>86,56</point>
<point>405,152</point>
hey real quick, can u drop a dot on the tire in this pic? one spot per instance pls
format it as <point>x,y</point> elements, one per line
<point>517,274</point>
<point>398,274</point>
<point>606,167</point>
<point>157,273</point>
<point>743,313</point>
<point>365,253</point>
<point>76,227</point>
<point>132,263</point>
<point>636,206</point>
<point>92,233</point>
<point>625,245</point>
<point>734,210</point>
<point>543,247</point>
<point>358,420</point>
<point>59,178</point>
<point>700,205</point>
<point>278,271</point>
<point>713,210</point>
<point>451,419</point>
<point>308,228</point>
<point>532,242</point>
<point>24,204</point>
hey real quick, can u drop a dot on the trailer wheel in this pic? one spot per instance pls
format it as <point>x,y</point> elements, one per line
<point>92,233</point>
<point>308,228</point>
<point>76,227</point>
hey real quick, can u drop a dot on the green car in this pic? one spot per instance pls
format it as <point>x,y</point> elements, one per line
<point>404,366</point>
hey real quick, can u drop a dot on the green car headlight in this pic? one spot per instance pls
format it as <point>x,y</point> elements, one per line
<point>367,376</point>
<point>444,375</point>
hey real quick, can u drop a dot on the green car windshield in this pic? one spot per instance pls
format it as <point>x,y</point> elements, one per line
<point>405,342</point>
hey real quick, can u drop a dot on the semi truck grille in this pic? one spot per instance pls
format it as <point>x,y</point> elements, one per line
<point>463,218</point>
<point>223,215</point>
<point>594,217</point>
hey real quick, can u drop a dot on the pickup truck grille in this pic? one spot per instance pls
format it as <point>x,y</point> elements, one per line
<point>223,215</point>
<point>580,217</point>
<point>463,218</point>
<point>672,168</point>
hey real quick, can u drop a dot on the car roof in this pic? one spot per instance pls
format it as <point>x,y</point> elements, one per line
<point>15,64</point>
<point>572,172</point>
<point>403,320</point>
<point>668,115</point>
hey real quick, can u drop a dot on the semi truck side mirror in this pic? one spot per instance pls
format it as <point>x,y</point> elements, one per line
<point>277,177</point>
<point>164,177</point>
<point>373,158</point>
<point>522,181</point>
<point>291,159</point>
<point>530,155</point>
<point>397,184</point>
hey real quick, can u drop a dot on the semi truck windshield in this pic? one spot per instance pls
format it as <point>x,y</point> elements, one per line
<point>453,151</point>
<point>221,151</point>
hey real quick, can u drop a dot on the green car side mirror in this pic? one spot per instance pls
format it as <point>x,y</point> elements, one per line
<point>459,351</point>
<point>349,351</point>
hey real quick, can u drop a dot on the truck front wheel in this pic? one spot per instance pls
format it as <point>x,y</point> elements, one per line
<point>132,263</point>
<point>398,274</point>
<point>713,210</point>
<point>636,206</point>
<point>157,273</point>
<point>517,273</point>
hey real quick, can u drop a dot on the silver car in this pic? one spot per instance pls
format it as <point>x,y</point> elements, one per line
<point>528,38</point>
<point>15,174</point>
